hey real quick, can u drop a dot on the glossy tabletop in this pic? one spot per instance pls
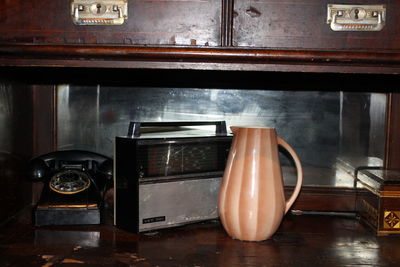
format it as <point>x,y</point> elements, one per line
<point>301,240</point>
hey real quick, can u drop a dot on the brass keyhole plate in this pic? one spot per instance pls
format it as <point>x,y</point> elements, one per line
<point>100,12</point>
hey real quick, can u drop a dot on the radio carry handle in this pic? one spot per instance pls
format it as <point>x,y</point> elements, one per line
<point>134,126</point>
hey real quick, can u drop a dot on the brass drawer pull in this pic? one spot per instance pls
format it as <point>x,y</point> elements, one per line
<point>99,12</point>
<point>356,17</point>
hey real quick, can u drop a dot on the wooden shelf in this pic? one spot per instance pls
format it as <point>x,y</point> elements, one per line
<point>305,240</point>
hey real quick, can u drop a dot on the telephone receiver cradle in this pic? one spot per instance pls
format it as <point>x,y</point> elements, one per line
<point>75,182</point>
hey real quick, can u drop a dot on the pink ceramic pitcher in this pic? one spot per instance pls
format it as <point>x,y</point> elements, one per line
<point>251,201</point>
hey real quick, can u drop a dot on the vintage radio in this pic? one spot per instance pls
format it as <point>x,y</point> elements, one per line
<point>169,177</point>
<point>378,203</point>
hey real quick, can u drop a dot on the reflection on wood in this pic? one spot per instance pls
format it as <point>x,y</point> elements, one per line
<point>307,240</point>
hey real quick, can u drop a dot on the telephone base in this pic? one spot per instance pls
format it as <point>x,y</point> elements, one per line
<point>66,216</point>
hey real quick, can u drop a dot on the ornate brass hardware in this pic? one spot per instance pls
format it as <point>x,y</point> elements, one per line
<point>356,17</point>
<point>391,220</point>
<point>99,12</point>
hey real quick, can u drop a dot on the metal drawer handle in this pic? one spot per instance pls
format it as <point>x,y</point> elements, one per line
<point>99,12</point>
<point>356,18</point>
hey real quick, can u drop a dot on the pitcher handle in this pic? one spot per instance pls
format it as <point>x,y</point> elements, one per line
<point>296,159</point>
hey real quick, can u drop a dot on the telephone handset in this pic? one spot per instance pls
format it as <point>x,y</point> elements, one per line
<point>74,185</point>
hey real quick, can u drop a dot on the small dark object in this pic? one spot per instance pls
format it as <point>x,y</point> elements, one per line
<point>74,186</point>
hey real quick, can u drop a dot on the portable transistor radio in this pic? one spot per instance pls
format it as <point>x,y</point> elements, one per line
<point>169,177</point>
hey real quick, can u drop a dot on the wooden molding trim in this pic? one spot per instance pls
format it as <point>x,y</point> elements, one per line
<point>210,57</point>
<point>227,22</point>
<point>392,144</point>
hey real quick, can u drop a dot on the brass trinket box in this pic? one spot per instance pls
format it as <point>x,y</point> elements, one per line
<point>378,202</point>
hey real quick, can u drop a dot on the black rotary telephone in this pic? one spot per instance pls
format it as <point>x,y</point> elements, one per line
<point>75,182</point>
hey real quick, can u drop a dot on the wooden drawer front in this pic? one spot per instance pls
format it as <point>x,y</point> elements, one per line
<point>302,24</point>
<point>172,22</point>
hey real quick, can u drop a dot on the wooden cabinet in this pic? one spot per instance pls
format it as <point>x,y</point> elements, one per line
<point>193,22</point>
<point>296,24</point>
<point>222,37</point>
<point>251,35</point>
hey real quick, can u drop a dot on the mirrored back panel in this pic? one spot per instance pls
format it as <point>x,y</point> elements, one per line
<point>324,127</point>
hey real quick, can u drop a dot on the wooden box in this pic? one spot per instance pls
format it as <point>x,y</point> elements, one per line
<point>378,203</point>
